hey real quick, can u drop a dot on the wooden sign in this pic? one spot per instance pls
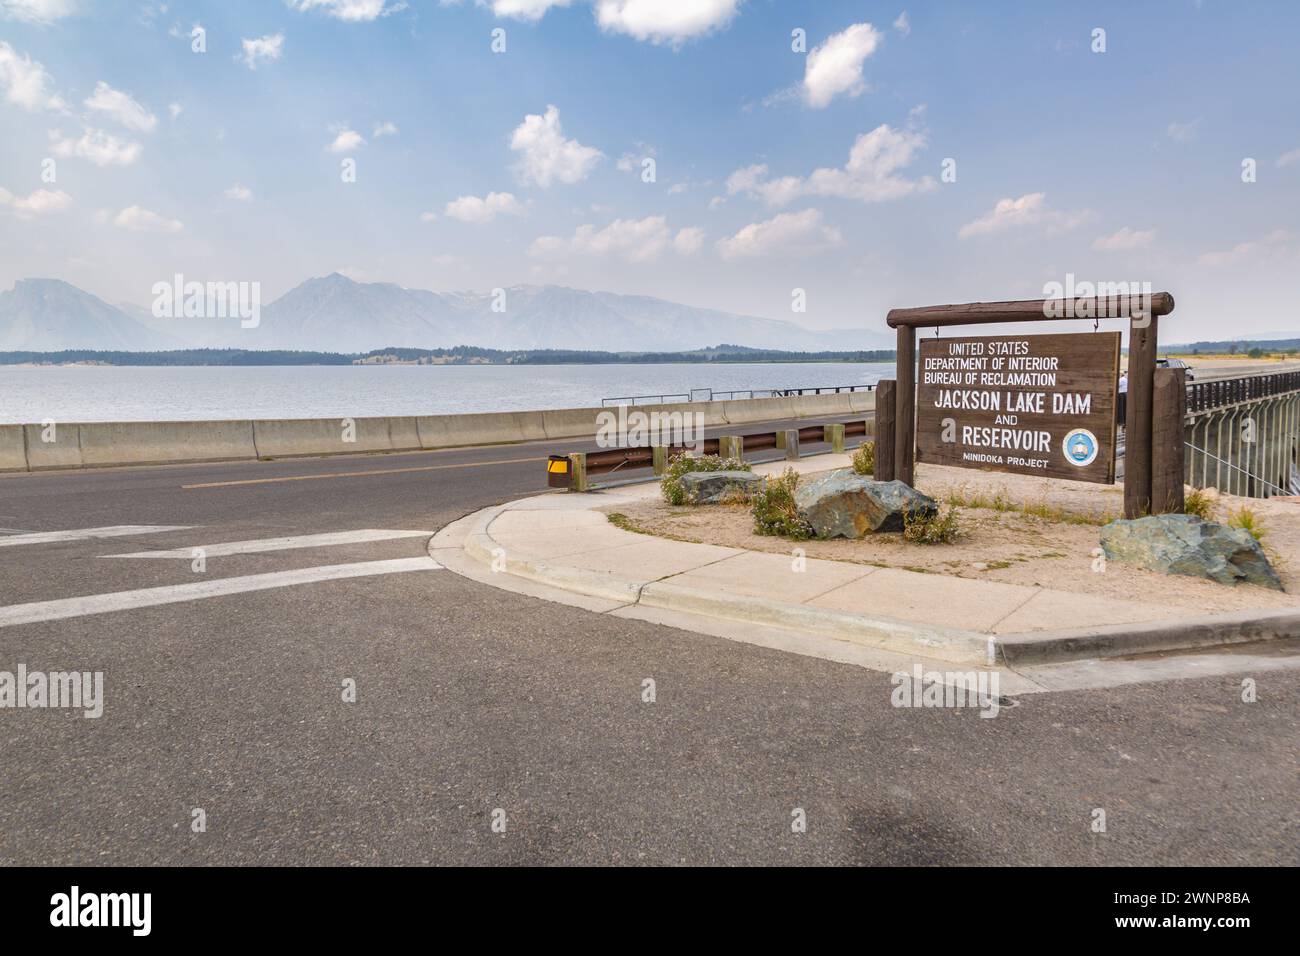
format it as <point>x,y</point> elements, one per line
<point>1029,404</point>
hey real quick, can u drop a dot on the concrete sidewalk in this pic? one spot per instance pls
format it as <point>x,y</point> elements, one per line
<point>562,546</point>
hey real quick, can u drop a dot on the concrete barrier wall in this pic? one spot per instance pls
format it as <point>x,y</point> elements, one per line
<point>64,451</point>
<point>104,444</point>
<point>479,428</point>
<point>153,443</point>
<point>13,449</point>
<point>311,437</point>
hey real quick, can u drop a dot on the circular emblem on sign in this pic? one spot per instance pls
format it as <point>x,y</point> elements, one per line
<point>1080,447</point>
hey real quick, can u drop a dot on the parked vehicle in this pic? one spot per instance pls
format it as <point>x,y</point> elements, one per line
<point>1176,363</point>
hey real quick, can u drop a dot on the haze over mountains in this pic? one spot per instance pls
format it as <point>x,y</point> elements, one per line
<point>336,314</point>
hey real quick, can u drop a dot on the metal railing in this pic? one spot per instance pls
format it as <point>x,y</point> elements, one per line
<point>1223,461</point>
<point>1203,396</point>
<point>709,395</point>
<point>630,457</point>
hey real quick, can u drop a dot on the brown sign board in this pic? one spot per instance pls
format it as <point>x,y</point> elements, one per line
<point>1028,404</point>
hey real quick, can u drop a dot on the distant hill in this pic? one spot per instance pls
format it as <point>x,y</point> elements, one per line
<point>336,314</point>
<point>1236,346</point>
<point>43,314</point>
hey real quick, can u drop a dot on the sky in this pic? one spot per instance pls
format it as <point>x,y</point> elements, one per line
<point>849,157</point>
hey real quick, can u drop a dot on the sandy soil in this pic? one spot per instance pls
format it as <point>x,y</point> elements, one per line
<point>1011,546</point>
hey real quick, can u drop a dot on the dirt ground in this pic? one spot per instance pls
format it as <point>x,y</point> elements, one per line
<point>1011,546</point>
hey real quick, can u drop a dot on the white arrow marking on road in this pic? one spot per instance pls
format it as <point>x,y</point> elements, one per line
<point>80,534</point>
<point>176,593</point>
<point>278,544</point>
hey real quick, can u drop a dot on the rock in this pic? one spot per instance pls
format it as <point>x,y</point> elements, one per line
<point>712,487</point>
<point>1185,544</point>
<point>847,505</point>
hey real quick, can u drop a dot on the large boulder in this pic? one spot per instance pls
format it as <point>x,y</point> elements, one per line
<point>712,487</point>
<point>1186,544</point>
<point>843,504</point>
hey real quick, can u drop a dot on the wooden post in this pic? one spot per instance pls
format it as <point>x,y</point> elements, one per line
<point>834,435</point>
<point>790,441</point>
<point>731,446</point>
<point>905,408</point>
<point>1167,437</point>
<point>1137,420</point>
<point>658,458</point>
<point>578,471</point>
<point>885,430</point>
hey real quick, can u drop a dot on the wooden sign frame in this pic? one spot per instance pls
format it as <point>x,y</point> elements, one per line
<point>1142,312</point>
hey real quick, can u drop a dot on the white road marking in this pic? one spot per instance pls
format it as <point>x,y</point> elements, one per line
<point>278,544</point>
<point>80,534</point>
<point>176,593</point>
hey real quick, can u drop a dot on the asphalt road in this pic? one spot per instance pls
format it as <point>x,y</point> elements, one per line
<point>472,700</point>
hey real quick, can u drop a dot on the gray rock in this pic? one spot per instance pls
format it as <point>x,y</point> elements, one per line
<point>843,504</point>
<point>1185,544</point>
<point>711,487</point>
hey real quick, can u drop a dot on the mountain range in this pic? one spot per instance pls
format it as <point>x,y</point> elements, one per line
<point>336,314</point>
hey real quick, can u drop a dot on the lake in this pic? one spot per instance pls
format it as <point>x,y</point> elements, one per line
<point>124,394</point>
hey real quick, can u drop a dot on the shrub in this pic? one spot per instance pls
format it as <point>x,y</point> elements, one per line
<point>1247,520</point>
<point>1198,503</point>
<point>864,459</point>
<point>775,512</point>
<point>670,484</point>
<point>922,527</point>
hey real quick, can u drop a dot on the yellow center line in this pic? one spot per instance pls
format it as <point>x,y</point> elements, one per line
<point>359,474</point>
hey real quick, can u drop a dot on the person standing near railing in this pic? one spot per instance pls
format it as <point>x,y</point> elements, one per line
<point>1121,400</point>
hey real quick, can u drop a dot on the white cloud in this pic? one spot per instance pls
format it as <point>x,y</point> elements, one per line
<point>175,109</point>
<point>385,128</point>
<point>1289,159</point>
<point>1030,209</point>
<point>523,9</point>
<point>689,241</point>
<point>870,175</point>
<point>665,21</point>
<point>265,49</point>
<point>1272,246</point>
<point>1125,240</point>
<point>38,11</point>
<point>787,234</point>
<point>25,82</point>
<point>717,202</point>
<point>39,203</point>
<point>428,216</point>
<point>121,107</point>
<point>139,219</point>
<point>239,192</point>
<point>1183,132</point>
<point>353,11</point>
<point>347,141</point>
<point>903,25</point>
<point>473,209</point>
<point>835,66</point>
<point>546,156</point>
<point>101,148</point>
<point>634,240</point>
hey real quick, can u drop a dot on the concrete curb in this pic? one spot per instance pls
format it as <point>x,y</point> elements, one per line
<point>1125,640</point>
<point>967,647</point>
<point>1028,649</point>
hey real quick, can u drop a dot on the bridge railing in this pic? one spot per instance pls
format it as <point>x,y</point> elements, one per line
<point>1203,396</point>
<point>709,395</point>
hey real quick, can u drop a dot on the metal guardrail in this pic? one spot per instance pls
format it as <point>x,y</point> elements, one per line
<point>642,456</point>
<point>709,395</point>
<point>1203,396</point>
